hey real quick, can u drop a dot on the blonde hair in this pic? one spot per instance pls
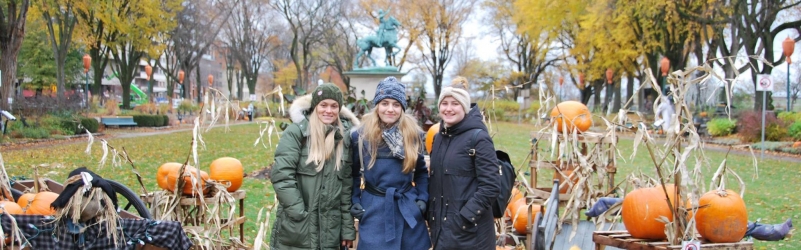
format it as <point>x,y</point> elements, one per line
<point>320,143</point>
<point>410,131</point>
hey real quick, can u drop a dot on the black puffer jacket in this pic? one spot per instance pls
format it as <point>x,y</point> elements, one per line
<point>461,189</point>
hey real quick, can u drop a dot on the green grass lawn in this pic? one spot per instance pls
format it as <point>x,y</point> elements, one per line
<point>769,197</point>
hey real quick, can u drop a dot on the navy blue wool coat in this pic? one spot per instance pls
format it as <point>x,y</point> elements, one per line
<point>392,221</point>
<point>462,189</point>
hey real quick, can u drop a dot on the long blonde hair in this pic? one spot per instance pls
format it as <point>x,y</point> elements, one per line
<point>410,131</point>
<point>320,144</point>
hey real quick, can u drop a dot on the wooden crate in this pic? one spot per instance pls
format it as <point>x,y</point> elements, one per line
<point>622,239</point>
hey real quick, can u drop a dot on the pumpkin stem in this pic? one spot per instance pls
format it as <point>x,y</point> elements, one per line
<point>722,192</point>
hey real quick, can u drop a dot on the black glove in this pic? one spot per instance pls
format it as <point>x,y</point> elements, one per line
<point>422,205</point>
<point>357,211</point>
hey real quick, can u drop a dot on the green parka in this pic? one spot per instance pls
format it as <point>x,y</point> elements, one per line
<point>313,207</point>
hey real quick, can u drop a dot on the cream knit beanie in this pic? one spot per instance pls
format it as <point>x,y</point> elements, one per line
<point>459,94</point>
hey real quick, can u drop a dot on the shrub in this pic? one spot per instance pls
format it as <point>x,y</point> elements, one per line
<point>721,126</point>
<point>790,117</point>
<point>775,132</point>
<point>750,126</point>
<point>795,130</point>
<point>147,108</point>
<point>70,127</point>
<point>33,133</point>
<point>166,120</point>
<point>90,124</point>
<point>158,120</point>
<point>143,120</point>
<point>112,107</point>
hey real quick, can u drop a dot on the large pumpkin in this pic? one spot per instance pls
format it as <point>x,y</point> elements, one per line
<point>227,169</point>
<point>520,215</point>
<point>163,171</point>
<point>641,209</point>
<point>721,216</point>
<point>432,131</point>
<point>24,199</point>
<point>189,172</point>
<point>574,113</point>
<point>10,207</point>
<point>41,204</point>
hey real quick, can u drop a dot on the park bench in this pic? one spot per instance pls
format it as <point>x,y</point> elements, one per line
<point>118,121</point>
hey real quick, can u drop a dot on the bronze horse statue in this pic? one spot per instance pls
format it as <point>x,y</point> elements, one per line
<point>386,37</point>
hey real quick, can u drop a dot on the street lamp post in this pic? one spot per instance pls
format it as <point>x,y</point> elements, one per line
<point>87,61</point>
<point>211,82</point>
<point>181,82</point>
<point>788,45</point>
<point>149,73</point>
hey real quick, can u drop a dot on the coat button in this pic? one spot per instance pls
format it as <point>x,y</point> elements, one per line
<point>474,218</point>
<point>479,211</point>
<point>463,227</point>
<point>444,218</point>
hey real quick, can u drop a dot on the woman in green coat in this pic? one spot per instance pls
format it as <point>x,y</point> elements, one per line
<point>312,174</point>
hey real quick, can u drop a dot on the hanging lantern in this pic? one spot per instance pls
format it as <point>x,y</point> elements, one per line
<point>148,71</point>
<point>664,66</point>
<point>211,80</point>
<point>87,62</point>
<point>609,74</point>
<point>181,77</point>
<point>788,45</point>
<point>581,79</point>
<point>561,81</point>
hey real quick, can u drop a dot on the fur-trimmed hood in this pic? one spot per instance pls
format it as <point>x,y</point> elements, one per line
<point>297,111</point>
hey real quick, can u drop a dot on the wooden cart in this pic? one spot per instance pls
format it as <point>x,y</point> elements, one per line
<point>622,239</point>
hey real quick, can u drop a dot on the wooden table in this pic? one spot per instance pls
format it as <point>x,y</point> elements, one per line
<point>622,239</point>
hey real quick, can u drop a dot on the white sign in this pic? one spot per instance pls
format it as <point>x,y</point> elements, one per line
<point>691,245</point>
<point>764,83</point>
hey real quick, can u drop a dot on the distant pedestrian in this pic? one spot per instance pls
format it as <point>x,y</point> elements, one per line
<point>250,111</point>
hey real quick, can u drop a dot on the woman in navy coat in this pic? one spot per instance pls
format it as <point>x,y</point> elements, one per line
<point>464,182</point>
<point>391,199</point>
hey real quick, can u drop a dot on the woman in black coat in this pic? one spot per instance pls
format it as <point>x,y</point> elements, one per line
<point>463,183</point>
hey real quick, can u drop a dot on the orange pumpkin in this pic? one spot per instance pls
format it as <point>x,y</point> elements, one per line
<point>797,144</point>
<point>41,204</point>
<point>642,207</point>
<point>520,215</point>
<point>721,216</point>
<point>24,199</point>
<point>703,114</point>
<point>575,114</point>
<point>227,169</point>
<point>10,207</point>
<point>189,172</point>
<point>163,171</point>
<point>432,131</point>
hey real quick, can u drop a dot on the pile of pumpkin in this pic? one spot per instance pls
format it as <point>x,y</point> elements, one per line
<point>720,217</point>
<point>226,170</point>
<point>30,204</point>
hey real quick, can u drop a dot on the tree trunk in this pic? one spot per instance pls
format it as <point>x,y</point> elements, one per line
<point>597,86</point>
<point>12,31</point>
<point>8,64</point>
<point>630,91</point>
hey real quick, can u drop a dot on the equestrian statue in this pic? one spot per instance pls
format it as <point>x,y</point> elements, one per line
<point>386,37</point>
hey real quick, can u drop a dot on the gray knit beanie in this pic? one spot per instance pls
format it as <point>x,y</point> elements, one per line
<point>326,91</point>
<point>390,88</point>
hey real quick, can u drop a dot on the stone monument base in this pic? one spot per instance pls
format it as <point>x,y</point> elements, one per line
<point>366,79</point>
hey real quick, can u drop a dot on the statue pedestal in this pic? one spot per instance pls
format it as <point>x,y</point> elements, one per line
<point>367,79</point>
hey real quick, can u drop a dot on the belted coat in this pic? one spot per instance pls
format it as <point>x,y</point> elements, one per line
<point>391,220</point>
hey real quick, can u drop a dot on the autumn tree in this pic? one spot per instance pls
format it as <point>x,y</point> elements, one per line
<point>339,40</point>
<point>60,19</point>
<point>198,24</point>
<point>251,36</point>
<point>36,61</point>
<point>306,21</point>
<point>12,31</point>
